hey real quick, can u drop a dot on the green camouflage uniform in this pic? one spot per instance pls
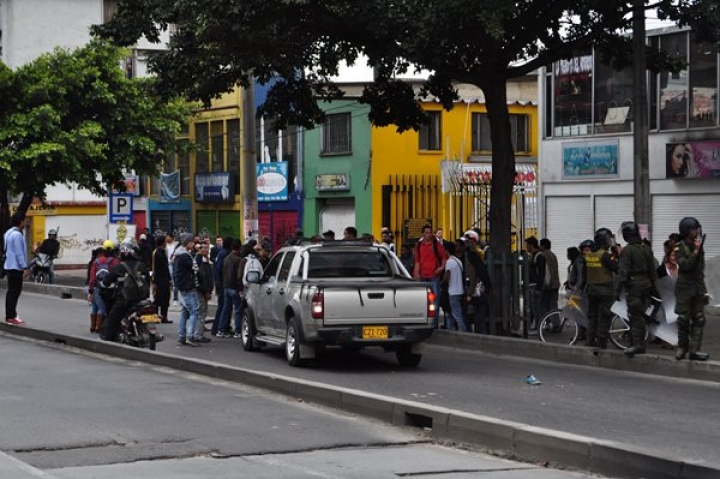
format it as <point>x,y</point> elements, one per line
<point>599,268</point>
<point>691,296</point>
<point>637,276</point>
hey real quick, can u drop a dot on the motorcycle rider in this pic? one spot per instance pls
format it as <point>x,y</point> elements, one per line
<point>116,275</point>
<point>51,247</point>
<point>97,295</point>
<point>599,268</point>
<point>637,276</point>
<point>690,290</point>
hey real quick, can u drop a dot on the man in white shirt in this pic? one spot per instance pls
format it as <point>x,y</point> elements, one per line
<point>15,265</point>
<point>455,279</point>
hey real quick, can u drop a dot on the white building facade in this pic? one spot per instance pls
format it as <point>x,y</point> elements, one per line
<point>586,147</point>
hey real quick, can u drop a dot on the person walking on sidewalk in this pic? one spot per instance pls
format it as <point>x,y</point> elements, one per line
<point>161,279</point>
<point>231,288</point>
<point>637,276</point>
<point>454,276</point>
<point>205,289</point>
<point>15,265</point>
<point>690,290</point>
<point>185,278</point>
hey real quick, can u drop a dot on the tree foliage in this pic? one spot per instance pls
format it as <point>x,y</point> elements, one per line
<point>217,45</point>
<point>73,116</point>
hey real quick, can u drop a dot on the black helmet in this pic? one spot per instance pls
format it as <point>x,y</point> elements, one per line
<point>686,224</point>
<point>603,237</point>
<point>630,231</point>
<point>587,244</point>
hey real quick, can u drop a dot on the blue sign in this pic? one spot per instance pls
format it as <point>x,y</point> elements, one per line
<point>121,207</point>
<point>214,188</point>
<point>272,181</point>
<point>592,159</point>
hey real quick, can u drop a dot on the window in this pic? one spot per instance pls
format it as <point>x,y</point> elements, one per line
<point>217,144</point>
<point>183,164</point>
<point>284,272</point>
<point>613,99</point>
<point>519,131</point>
<point>202,141</point>
<point>430,133</point>
<point>674,86</point>
<point>703,84</point>
<point>271,269</point>
<point>573,96</point>
<point>336,134</point>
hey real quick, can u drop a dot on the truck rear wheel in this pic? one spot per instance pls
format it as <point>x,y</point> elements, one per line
<point>406,358</point>
<point>292,343</point>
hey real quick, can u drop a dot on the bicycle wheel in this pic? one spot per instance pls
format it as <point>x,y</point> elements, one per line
<point>558,329</point>
<point>620,332</point>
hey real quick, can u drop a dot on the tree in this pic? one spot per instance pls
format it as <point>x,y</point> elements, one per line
<point>73,116</point>
<point>217,45</point>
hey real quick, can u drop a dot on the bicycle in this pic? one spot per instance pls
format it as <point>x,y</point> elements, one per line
<point>620,327</point>
<point>565,325</point>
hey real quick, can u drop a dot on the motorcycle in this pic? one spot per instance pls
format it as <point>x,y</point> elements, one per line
<point>139,326</point>
<point>40,269</point>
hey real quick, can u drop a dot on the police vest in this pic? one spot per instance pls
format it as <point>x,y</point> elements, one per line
<point>596,272</point>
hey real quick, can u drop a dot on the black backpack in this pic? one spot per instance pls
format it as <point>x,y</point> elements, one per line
<point>135,286</point>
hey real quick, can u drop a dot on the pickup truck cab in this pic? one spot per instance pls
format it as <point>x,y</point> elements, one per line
<point>350,294</point>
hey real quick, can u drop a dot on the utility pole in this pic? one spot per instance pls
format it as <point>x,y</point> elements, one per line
<point>248,164</point>
<point>641,164</point>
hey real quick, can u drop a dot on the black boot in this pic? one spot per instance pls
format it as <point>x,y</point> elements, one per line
<point>683,338</point>
<point>633,350</point>
<point>699,356</point>
<point>602,343</point>
<point>680,353</point>
<point>696,337</point>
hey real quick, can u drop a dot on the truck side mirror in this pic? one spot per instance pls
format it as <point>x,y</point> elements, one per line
<point>252,277</point>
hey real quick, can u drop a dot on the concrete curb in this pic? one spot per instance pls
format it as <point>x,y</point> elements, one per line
<point>607,359</point>
<point>521,441</point>
<point>12,467</point>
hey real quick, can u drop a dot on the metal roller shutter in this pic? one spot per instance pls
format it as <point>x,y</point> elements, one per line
<point>611,211</point>
<point>207,223</point>
<point>229,224</point>
<point>567,223</point>
<point>668,210</point>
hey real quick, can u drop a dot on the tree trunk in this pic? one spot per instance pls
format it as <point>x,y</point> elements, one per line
<point>501,193</point>
<point>4,206</point>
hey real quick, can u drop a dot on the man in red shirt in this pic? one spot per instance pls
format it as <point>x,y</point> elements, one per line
<point>430,260</point>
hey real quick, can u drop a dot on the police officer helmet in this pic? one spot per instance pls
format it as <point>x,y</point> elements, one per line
<point>52,233</point>
<point>630,231</point>
<point>686,224</point>
<point>128,247</point>
<point>603,237</point>
<point>587,244</point>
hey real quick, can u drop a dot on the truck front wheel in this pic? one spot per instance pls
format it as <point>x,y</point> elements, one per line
<point>406,358</point>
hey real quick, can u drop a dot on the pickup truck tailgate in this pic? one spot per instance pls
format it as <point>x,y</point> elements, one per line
<point>383,304</point>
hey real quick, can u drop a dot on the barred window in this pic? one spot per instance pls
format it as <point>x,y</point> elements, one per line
<point>336,134</point>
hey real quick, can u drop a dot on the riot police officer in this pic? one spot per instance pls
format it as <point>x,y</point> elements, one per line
<point>690,290</point>
<point>637,276</point>
<point>600,266</point>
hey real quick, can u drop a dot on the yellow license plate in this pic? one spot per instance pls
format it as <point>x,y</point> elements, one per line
<point>375,332</point>
<point>150,318</point>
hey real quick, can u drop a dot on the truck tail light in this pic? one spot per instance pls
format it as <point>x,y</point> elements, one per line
<point>318,306</point>
<point>431,311</point>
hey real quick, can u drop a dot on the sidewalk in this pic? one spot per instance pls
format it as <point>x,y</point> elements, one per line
<point>711,340</point>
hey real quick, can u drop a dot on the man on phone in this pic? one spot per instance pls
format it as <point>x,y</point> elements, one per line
<point>690,290</point>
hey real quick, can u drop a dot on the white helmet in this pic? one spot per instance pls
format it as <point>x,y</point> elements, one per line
<point>128,246</point>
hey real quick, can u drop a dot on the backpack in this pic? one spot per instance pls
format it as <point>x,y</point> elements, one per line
<point>101,271</point>
<point>252,264</point>
<point>135,286</point>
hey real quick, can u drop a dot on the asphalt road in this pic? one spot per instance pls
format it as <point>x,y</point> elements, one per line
<point>76,415</point>
<point>677,417</point>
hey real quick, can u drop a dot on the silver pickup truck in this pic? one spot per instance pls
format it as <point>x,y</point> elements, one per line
<point>340,293</point>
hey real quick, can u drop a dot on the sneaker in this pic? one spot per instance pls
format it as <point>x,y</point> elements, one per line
<point>237,336</point>
<point>191,342</point>
<point>221,334</point>
<point>181,342</point>
<point>203,339</point>
<point>14,321</point>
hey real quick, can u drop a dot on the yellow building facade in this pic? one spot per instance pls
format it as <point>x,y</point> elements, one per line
<point>441,174</point>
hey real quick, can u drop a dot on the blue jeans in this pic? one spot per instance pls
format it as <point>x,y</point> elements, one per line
<point>188,314</point>
<point>220,292</point>
<point>457,314</point>
<point>231,300</point>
